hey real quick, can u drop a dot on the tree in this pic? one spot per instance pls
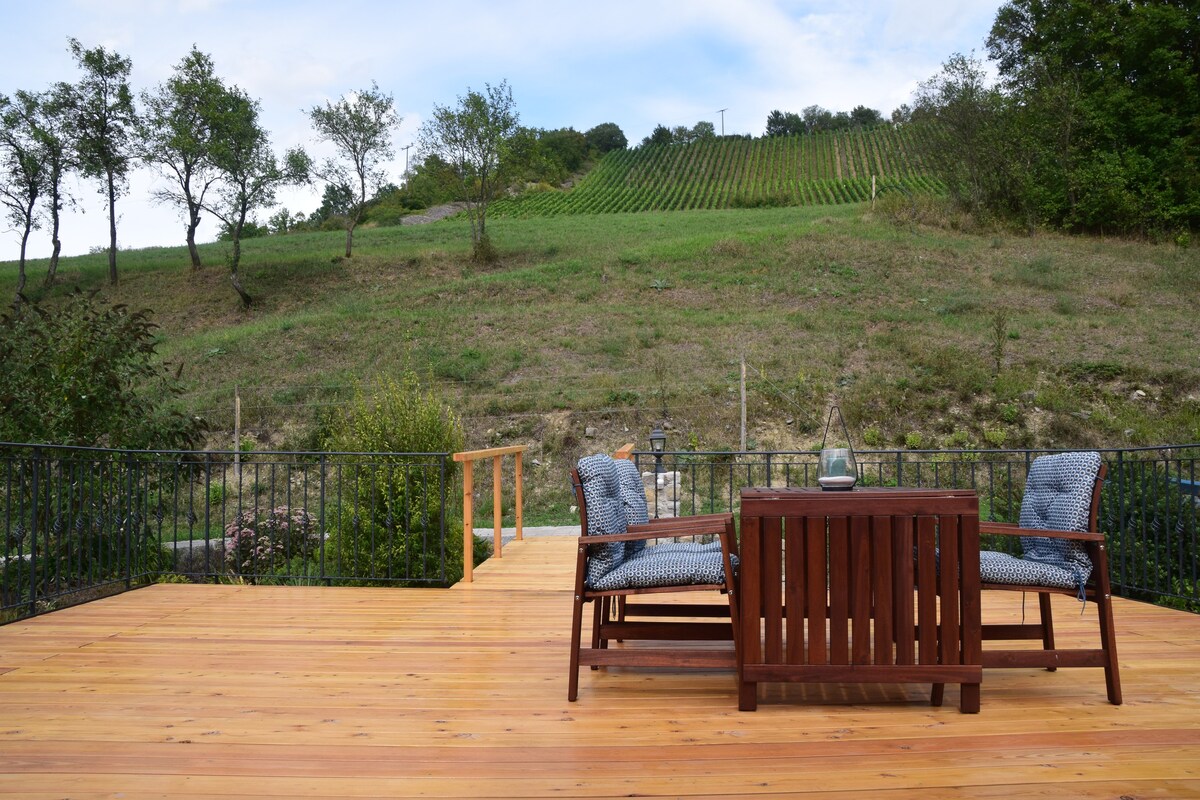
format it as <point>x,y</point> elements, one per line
<point>475,141</point>
<point>1109,91</point>
<point>177,133</point>
<point>105,123</point>
<point>605,137</point>
<point>250,175</point>
<point>23,169</point>
<point>88,375</point>
<point>863,117</point>
<point>56,134</point>
<point>660,135</point>
<point>784,124</point>
<point>360,128</point>
<point>970,144</point>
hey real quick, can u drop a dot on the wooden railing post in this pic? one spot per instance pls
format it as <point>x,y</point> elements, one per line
<point>468,520</point>
<point>468,460</point>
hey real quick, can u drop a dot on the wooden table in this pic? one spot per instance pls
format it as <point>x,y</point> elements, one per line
<point>847,587</point>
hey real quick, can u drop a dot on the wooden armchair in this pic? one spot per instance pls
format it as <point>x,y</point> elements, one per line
<point>616,562</point>
<point>1062,553</point>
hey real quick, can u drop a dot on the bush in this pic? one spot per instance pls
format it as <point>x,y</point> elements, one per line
<point>389,529</point>
<point>83,374</point>
<point>260,545</point>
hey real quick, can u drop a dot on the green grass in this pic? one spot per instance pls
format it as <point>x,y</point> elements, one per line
<point>600,321</point>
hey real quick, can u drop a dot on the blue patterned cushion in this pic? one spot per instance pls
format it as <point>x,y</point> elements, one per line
<point>1058,496</point>
<point>633,499</point>
<point>1003,568</point>
<point>605,514</point>
<point>665,566</point>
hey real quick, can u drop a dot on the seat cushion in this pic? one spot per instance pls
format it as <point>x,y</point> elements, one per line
<point>605,513</point>
<point>1058,496</point>
<point>672,565</point>
<point>1002,568</point>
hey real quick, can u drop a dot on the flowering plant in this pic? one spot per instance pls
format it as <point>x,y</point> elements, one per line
<point>255,544</point>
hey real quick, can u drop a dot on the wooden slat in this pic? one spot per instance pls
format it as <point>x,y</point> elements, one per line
<point>202,691</point>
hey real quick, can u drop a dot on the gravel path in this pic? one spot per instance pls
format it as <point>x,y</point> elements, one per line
<point>433,214</point>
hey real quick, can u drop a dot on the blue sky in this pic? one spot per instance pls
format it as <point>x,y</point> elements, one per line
<point>633,63</point>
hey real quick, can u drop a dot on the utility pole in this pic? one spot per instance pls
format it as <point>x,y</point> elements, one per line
<point>722,111</point>
<point>405,149</point>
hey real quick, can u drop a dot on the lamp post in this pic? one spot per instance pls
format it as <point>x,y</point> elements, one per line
<point>658,443</point>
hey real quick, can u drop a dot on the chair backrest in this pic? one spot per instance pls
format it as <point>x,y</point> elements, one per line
<point>1061,493</point>
<point>602,512</point>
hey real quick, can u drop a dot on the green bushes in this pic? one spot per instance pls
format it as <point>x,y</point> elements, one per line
<point>392,510</point>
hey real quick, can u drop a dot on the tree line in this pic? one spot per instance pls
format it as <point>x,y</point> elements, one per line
<point>205,139</point>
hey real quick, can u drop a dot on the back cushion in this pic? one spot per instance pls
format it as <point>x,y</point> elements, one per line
<point>605,513</point>
<point>1058,496</point>
<point>633,500</point>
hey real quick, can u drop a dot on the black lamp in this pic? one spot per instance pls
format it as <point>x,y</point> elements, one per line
<point>658,443</point>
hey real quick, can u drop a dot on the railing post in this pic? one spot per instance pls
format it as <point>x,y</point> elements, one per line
<point>519,498</point>
<point>35,502</point>
<point>321,520</point>
<point>497,509</point>
<point>468,520</point>
<point>899,467</point>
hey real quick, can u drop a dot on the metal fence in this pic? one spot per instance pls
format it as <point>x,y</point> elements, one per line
<point>80,523</point>
<point>1148,508</point>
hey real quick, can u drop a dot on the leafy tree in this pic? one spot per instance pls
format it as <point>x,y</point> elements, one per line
<point>250,175</point>
<point>971,144</point>
<point>104,122</point>
<point>817,119</point>
<point>88,375</point>
<point>863,117</point>
<point>566,147</point>
<point>56,134</point>
<point>1109,91</point>
<point>360,128</point>
<point>785,124</point>
<point>475,141</point>
<point>660,135</point>
<point>605,137</point>
<point>177,133</point>
<point>23,169</point>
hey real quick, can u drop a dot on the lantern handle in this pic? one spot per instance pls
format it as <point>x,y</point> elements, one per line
<point>845,432</point>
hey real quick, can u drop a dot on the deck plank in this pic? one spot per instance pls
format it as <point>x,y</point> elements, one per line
<point>190,691</point>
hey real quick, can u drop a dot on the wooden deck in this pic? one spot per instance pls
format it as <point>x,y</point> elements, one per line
<point>183,691</point>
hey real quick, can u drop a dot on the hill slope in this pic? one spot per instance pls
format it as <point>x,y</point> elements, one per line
<point>821,169</point>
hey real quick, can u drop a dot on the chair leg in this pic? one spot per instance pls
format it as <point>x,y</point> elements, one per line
<point>576,635</point>
<point>938,693</point>
<point>1108,641</point>
<point>1047,624</point>
<point>599,612</point>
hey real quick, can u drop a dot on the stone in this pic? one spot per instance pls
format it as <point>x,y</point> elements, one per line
<point>590,432</point>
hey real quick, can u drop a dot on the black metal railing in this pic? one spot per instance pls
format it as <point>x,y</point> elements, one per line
<point>1149,505</point>
<point>84,522</point>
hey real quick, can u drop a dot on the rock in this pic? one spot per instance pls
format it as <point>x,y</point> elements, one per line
<point>589,432</point>
<point>1138,395</point>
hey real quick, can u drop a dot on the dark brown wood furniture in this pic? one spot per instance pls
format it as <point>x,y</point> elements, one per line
<point>870,585</point>
<point>670,622</point>
<point>1096,590</point>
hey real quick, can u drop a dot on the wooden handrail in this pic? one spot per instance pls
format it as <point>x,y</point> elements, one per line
<point>468,459</point>
<point>625,452</point>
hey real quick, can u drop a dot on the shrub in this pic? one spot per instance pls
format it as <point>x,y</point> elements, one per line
<point>389,527</point>
<point>258,544</point>
<point>84,374</point>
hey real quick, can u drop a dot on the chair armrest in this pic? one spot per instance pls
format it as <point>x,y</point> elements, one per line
<point>1008,529</point>
<point>634,533</point>
<point>687,522</point>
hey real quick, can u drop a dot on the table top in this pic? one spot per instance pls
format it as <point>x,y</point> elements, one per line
<point>766,501</point>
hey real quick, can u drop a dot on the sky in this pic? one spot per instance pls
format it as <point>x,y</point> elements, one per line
<point>636,63</point>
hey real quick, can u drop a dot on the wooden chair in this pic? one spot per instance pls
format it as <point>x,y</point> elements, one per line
<point>1062,553</point>
<point>616,562</point>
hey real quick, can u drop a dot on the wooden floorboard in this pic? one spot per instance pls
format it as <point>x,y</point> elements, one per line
<point>187,691</point>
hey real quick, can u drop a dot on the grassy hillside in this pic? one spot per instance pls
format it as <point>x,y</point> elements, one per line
<point>926,338</point>
<point>822,169</point>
